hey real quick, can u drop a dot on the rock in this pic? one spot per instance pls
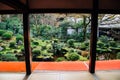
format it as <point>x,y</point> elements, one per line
<point>1,48</point>
<point>20,42</point>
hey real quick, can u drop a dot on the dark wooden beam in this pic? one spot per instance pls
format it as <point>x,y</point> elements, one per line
<point>89,11</point>
<point>11,12</point>
<point>27,42</point>
<point>16,4</point>
<point>93,41</point>
<point>60,10</point>
<point>109,11</point>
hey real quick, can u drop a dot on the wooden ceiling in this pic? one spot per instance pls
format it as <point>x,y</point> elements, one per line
<point>57,4</point>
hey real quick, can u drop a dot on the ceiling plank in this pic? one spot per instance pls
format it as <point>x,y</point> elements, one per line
<point>16,4</point>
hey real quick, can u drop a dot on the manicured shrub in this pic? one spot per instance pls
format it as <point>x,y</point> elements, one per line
<point>3,46</point>
<point>8,57</point>
<point>12,44</point>
<point>45,53</point>
<point>87,42</point>
<point>2,32</point>
<point>83,46</point>
<point>36,52</point>
<point>43,47</point>
<point>7,35</point>
<point>60,59</point>
<point>118,55</point>
<point>48,58</point>
<point>55,40</point>
<point>104,38</point>
<point>73,56</point>
<point>70,42</point>
<point>83,58</point>
<point>113,44</point>
<point>100,44</point>
<point>35,43</point>
<point>77,45</point>
<point>19,37</point>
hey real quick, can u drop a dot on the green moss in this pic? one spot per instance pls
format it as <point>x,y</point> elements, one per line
<point>7,35</point>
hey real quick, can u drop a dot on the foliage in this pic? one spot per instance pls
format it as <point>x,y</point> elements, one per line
<point>83,46</point>
<point>60,59</point>
<point>2,32</point>
<point>14,24</point>
<point>104,45</point>
<point>64,25</point>
<point>36,52</point>
<point>46,32</point>
<point>12,44</point>
<point>118,55</point>
<point>104,39</point>
<point>7,35</point>
<point>19,37</point>
<point>2,25</point>
<point>8,57</point>
<point>112,43</point>
<point>50,40</point>
<point>73,56</point>
<point>83,58</point>
<point>87,42</point>
<point>70,42</point>
<point>77,45</point>
<point>100,44</point>
<point>35,43</point>
<point>44,58</point>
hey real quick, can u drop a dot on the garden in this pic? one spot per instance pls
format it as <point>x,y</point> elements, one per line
<point>56,37</point>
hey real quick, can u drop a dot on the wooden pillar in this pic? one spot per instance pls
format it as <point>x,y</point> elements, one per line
<point>93,41</point>
<point>26,29</point>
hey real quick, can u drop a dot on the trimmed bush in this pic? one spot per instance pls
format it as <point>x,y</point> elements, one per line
<point>60,59</point>
<point>12,45</point>
<point>113,44</point>
<point>118,55</point>
<point>100,44</point>
<point>7,35</point>
<point>83,46</point>
<point>83,58</point>
<point>2,32</point>
<point>73,56</point>
<point>77,45</point>
<point>70,42</point>
<point>87,42</point>
<point>8,57</point>
<point>19,37</point>
<point>36,43</point>
<point>36,52</point>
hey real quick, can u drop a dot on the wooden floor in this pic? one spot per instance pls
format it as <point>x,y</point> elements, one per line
<point>63,75</point>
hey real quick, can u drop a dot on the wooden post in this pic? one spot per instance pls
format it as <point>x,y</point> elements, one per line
<point>26,29</point>
<point>93,41</point>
